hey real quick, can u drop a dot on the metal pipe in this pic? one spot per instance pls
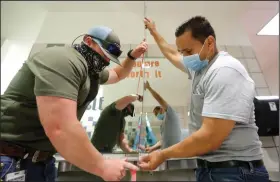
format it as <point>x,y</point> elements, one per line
<point>142,68</point>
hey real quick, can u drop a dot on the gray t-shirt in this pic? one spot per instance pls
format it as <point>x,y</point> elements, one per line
<point>170,128</point>
<point>225,90</point>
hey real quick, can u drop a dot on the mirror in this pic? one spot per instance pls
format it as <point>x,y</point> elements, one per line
<point>57,23</point>
<point>163,85</point>
<point>170,83</point>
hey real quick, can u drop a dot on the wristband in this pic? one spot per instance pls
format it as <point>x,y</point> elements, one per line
<point>129,55</point>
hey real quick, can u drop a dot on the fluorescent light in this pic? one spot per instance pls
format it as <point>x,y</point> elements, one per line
<point>272,27</point>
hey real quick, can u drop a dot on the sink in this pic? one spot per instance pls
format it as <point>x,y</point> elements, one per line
<point>171,170</point>
<point>171,175</point>
<point>65,166</point>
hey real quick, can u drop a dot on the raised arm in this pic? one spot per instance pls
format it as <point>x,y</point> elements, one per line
<point>123,102</point>
<point>167,50</point>
<point>119,73</point>
<point>160,100</point>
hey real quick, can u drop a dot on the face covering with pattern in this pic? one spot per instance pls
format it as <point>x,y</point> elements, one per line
<point>96,63</point>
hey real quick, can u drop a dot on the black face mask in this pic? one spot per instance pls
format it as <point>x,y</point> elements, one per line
<point>96,63</point>
<point>129,110</point>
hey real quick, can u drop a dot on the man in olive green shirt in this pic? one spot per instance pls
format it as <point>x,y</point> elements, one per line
<point>42,106</point>
<point>110,126</point>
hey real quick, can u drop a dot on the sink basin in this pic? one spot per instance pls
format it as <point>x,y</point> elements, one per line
<point>171,175</point>
<point>170,170</point>
<point>65,166</point>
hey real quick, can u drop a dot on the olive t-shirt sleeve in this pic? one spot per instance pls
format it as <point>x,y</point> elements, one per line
<point>123,125</point>
<point>104,76</point>
<point>113,108</point>
<point>56,74</point>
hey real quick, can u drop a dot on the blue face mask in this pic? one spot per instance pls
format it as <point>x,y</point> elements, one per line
<point>160,116</point>
<point>194,63</point>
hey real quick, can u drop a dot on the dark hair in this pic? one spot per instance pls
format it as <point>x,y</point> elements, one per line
<point>199,26</point>
<point>157,108</point>
<point>85,36</point>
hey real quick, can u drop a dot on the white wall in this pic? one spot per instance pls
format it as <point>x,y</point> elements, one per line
<point>63,27</point>
<point>21,21</point>
<point>20,26</point>
<point>14,54</point>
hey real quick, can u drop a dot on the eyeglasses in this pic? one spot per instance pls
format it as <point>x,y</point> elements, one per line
<point>112,48</point>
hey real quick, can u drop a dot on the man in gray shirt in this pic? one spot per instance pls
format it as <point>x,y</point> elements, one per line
<point>224,134</point>
<point>170,127</point>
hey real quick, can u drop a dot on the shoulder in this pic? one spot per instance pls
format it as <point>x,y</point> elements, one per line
<point>229,77</point>
<point>109,113</point>
<point>227,68</point>
<point>59,58</point>
<point>110,108</point>
<point>170,109</point>
<point>103,76</point>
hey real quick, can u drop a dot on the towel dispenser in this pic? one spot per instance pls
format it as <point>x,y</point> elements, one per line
<point>267,115</point>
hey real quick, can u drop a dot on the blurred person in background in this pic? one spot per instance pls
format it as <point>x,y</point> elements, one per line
<point>110,127</point>
<point>170,128</point>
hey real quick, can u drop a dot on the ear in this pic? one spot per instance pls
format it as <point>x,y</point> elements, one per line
<point>211,40</point>
<point>88,40</point>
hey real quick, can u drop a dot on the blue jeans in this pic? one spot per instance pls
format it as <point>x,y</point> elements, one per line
<point>39,171</point>
<point>239,174</point>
